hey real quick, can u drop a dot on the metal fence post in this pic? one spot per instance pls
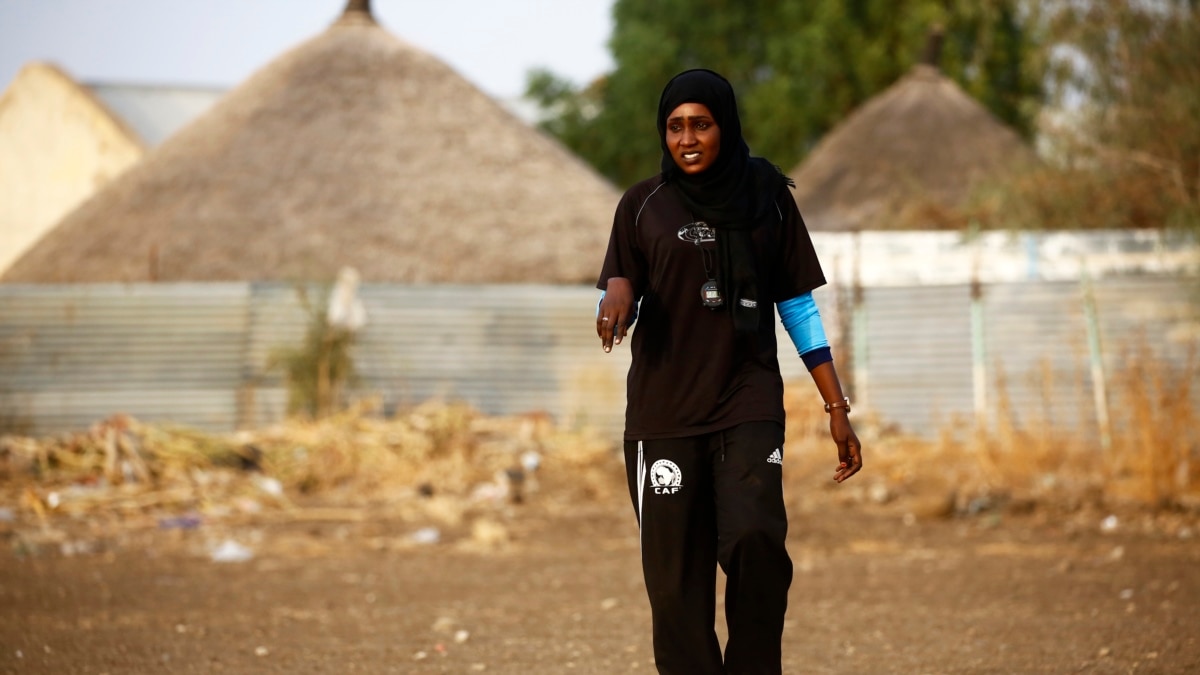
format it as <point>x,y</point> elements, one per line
<point>978,353</point>
<point>860,357</point>
<point>1096,353</point>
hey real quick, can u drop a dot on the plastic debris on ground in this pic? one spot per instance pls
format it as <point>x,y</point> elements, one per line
<point>230,551</point>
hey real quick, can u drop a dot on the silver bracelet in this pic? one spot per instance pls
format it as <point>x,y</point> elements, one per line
<point>844,403</point>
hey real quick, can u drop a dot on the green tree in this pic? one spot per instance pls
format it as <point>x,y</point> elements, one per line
<point>1128,75</point>
<point>799,66</point>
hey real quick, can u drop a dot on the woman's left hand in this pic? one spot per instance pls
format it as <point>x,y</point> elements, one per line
<point>849,449</point>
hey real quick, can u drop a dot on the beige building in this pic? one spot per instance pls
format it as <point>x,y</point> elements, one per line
<point>58,144</point>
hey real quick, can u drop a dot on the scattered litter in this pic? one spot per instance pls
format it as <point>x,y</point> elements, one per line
<point>461,636</point>
<point>1127,594</point>
<point>426,535</point>
<point>73,548</point>
<point>261,651</point>
<point>189,522</point>
<point>497,490</point>
<point>247,505</point>
<point>1117,553</point>
<point>531,460</point>
<point>608,603</point>
<point>231,552</point>
<point>269,485</point>
<point>420,656</point>
<point>346,310</point>
<point>980,504</point>
<point>1109,524</point>
<point>879,493</point>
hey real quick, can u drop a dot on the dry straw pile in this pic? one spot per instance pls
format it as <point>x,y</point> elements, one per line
<point>1150,462</point>
<point>448,464</point>
<point>441,463</point>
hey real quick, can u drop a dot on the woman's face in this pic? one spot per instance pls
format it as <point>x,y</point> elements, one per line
<point>693,137</point>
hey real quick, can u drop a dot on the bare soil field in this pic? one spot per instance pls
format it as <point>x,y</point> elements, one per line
<point>558,590</point>
<point>444,541</point>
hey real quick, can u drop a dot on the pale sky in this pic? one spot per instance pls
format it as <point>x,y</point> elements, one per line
<point>492,43</point>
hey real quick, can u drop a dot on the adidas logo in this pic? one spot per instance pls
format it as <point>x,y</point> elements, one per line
<point>776,457</point>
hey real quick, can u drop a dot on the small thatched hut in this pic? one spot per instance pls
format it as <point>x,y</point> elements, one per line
<point>907,159</point>
<point>58,143</point>
<point>353,148</point>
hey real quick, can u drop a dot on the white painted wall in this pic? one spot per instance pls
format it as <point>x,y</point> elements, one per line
<point>928,258</point>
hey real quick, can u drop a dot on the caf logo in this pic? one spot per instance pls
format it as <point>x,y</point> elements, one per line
<point>697,233</point>
<point>665,477</point>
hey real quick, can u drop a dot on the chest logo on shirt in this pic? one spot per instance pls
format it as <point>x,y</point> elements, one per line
<point>665,477</point>
<point>697,233</point>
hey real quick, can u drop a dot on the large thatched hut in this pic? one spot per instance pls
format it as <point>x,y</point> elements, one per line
<point>58,143</point>
<point>353,148</point>
<point>906,159</point>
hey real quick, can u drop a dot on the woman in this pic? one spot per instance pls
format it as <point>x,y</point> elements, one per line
<point>698,255</point>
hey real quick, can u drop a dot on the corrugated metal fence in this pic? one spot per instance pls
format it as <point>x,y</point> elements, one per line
<point>198,354</point>
<point>934,353</point>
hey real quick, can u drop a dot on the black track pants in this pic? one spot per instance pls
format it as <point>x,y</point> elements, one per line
<point>704,500</point>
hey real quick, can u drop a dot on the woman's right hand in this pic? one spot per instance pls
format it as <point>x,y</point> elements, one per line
<point>615,312</point>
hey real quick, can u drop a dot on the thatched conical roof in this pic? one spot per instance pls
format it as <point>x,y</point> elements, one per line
<point>917,148</point>
<point>353,148</point>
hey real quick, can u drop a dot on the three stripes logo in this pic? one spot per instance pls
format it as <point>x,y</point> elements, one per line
<point>776,457</point>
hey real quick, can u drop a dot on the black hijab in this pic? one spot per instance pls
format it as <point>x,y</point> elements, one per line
<point>734,195</point>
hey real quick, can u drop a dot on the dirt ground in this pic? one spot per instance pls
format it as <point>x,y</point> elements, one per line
<point>329,590</point>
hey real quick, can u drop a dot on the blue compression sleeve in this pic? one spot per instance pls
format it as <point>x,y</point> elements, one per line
<point>802,321</point>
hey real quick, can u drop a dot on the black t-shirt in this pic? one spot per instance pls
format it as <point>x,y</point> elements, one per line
<point>691,373</point>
